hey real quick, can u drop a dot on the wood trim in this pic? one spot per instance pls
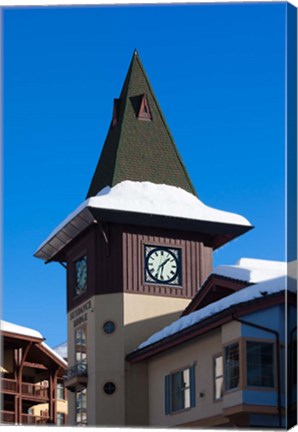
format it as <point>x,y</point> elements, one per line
<point>21,337</point>
<point>211,282</point>
<point>56,360</point>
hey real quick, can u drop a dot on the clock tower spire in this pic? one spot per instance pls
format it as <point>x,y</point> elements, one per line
<point>139,145</point>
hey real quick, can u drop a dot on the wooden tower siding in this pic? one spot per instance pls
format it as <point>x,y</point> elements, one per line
<point>116,254</point>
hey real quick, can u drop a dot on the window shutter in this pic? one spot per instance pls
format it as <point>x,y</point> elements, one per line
<point>167,394</point>
<point>192,386</point>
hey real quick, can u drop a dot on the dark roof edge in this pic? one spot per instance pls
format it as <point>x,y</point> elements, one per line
<point>205,285</point>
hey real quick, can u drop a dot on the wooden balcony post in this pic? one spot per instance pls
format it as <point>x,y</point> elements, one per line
<point>53,396</point>
<point>16,409</point>
<point>19,382</point>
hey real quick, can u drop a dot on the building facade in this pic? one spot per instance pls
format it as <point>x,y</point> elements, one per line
<point>32,379</point>
<point>136,252</point>
<point>223,362</point>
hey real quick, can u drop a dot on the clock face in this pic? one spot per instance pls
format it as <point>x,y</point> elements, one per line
<point>162,265</point>
<point>81,275</point>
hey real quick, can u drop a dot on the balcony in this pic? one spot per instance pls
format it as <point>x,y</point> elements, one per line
<point>8,385</point>
<point>29,419</point>
<point>7,417</point>
<point>34,390</point>
<point>77,377</point>
<point>29,390</point>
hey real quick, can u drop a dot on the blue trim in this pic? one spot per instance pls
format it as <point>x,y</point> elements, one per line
<point>192,375</point>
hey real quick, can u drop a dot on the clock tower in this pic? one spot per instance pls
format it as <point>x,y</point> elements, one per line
<point>136,251</point>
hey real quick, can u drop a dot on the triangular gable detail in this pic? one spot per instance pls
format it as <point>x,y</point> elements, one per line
<point>144,111</point>
<point>213,289</point>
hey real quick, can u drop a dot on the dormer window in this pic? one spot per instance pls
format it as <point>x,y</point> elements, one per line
<point>144,111</point>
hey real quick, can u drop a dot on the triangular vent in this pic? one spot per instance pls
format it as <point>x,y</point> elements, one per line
<point>144,112</point>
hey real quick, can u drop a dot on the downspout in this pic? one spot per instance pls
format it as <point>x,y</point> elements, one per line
<point>277,360</point>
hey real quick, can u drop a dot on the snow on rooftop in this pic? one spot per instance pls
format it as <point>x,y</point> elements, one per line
<point>9,327</point>
<point>17,329</point>
<point>270,283</point>
<point>61,350</point>
<point>252,270</point>
<point>55,353</point>
<point>157,199</point>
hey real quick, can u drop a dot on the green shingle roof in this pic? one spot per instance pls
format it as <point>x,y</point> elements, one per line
<point>139,149</point>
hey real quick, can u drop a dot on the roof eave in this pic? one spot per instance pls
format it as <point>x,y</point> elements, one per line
<point>219,233</point>
<point>205,326</point>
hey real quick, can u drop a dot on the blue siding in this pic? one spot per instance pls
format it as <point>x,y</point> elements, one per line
<point>273,318</point>
<point>256,397</point>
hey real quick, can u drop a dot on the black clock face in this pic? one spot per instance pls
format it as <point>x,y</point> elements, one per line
<point>81,275</point>
<point>162,265</point>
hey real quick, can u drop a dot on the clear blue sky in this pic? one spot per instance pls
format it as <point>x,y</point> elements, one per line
<point>218,72</point>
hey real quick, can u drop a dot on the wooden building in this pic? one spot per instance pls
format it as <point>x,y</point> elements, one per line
<point>32,384</point>
<point>136,252</point>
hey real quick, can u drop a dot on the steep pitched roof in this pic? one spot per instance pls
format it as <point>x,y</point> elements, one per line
<point>139,145</point>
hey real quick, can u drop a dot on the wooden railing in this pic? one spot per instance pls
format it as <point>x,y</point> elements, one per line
<point>34,390</point>
<point>28,389</point>
<point>31,419</point>
<point>7,417</point>
<point>8,384</point>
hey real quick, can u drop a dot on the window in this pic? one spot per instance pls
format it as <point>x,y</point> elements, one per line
<point>80,269</point>
<point>109,327</point>
<point>259,362</point>
<point>81,408</point>
<point>218,377</point>
<point>109,388</point>
<point>60,391</point>
<point>232,366</point>
<point>60,419</point>
<point>180,390</point>
<point>80,346</point>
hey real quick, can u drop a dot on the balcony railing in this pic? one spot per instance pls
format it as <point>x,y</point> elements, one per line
<point>77,377</point>
<point>79,369</point>
<point>8,384</point>
<point>34,390</point>
<point>28,389</point>
<point>31,419</point>
<point>7,417</point>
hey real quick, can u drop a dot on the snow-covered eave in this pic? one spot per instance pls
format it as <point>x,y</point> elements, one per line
<point>20,331</point>
<point>204,326</point>
<point>150,204</point>
<point>218,233</point>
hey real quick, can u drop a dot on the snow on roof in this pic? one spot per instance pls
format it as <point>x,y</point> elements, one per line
<point>17,329</point>
<point>61,350</point>
<point>55,354</point>
<point>252,270</point>
<point>25,331</point>
<point>275,282</point>
<point>157,199</point>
